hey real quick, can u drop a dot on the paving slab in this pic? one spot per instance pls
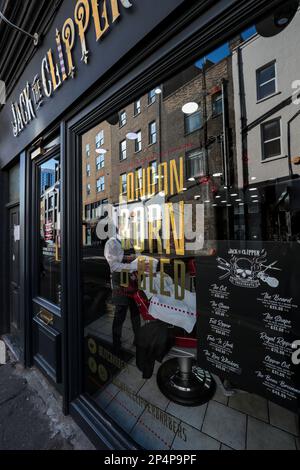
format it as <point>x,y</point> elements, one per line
<point>263,436</point>
<point>250,404</point>
<point>194,416</point>
<point>195,440</point>
<point>225,425</point>
<point>284,419</point>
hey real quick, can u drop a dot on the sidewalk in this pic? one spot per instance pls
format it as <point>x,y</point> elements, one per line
<point>31,416</point>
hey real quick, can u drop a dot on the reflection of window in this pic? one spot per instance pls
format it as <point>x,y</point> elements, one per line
<point>100,184</point>
<point>123,183</point>
<point>123,150</point>
<point>137,107</point>
<point>100,160</point>
<point>196,163</point>
<point>88,189</point>
<point>152,133</point>
<point>87,211</point>
<point>139,172</point>
<point>266,81</point>
<point>122,119</point>
<point>217,104</point>
<point>153,166</point>
<point>193,122</point>
<point>87,150</point>
<point>99,139</point>
<point>271,139</point>
<point>151,97</point>
<point>88,170</point>
<point>49,243</point>
<point>138,142</point>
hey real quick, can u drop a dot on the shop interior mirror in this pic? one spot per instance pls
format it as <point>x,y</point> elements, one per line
<point>278,20</point>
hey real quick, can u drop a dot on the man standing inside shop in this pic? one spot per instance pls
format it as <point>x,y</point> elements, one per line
<point>114,255</point>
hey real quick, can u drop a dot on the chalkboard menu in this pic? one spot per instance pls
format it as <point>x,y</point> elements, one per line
<point>248,304</point>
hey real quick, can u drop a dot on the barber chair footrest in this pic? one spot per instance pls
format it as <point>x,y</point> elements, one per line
<point>187,389</point>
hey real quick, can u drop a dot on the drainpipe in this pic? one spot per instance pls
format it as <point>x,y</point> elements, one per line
<point>289,143</point>
<point>244,134</point>
<point>225,135</point>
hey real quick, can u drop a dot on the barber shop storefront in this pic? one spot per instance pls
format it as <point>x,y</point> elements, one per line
<point>150,164</point>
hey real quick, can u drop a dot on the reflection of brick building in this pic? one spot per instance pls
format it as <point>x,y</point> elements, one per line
<point>155,130</point>
<point>205,138</point>
<point>141,152</point>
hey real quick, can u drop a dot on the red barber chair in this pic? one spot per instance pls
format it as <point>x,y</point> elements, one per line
<point>180,379</point>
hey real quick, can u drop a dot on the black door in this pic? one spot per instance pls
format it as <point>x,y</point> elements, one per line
<point>14,281</point>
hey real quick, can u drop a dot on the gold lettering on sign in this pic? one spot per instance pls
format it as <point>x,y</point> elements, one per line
<point>100,20</point>
<point>115,10</point>
<point>47,84</point>
<point>68,35</point>
<point>82,18</point>
<point>56,80</point>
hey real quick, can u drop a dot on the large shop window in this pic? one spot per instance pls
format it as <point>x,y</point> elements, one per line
<point>190,269</point>
<point>50,231</point>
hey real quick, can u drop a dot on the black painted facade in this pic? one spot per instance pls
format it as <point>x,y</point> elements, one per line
<point>145,46</point>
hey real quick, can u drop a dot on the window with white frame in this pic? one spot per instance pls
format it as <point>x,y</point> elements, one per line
<point>266,81</point>
<point>271,138</point>
<point>88,170</point>
<point>87,150</point>
<point>99,139</point>
<point>122,118</point>
<point>138,142</point>
<point>100,184</point>
<point>123,150</point>
<point>123,183</point>
<point>151,97</point>
<point>137,107</point>
<point>152,133</point>
<point>88,189</point>
<point>100,161</point>
<point>139,173</point>
<point>153,166</point>
<point>196,164</point>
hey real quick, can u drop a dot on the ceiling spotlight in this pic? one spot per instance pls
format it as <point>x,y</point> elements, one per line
<point>238,200</point>
<point>184,189</point>
<point>217,175</point>
<point>253,178</point>
<point>215,205</point>
<point>190,108</point>
<point>228,205</point>
<point>241,204</point>
<point>101,151</point>
<point>131,136</point>
<point>191,179</point>
<point>218,197</point>
<point>233,195</point>
<point>253,189</point>
<point>207,201</point>
<point>223,202</point>
<point>254,195</point>
<point>197,197</point>
<point>158,91</point>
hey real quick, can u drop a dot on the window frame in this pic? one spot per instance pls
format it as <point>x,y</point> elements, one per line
<point>137,110</point>
<point>122,123</point>
<point>121,151</point>
<point>101,186</point>
<point>275,80</point>
<point>137,141</point>
<point>151,134</point>
<point>187,116</point>
<point>101,140</point>
<point>274,157</point>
